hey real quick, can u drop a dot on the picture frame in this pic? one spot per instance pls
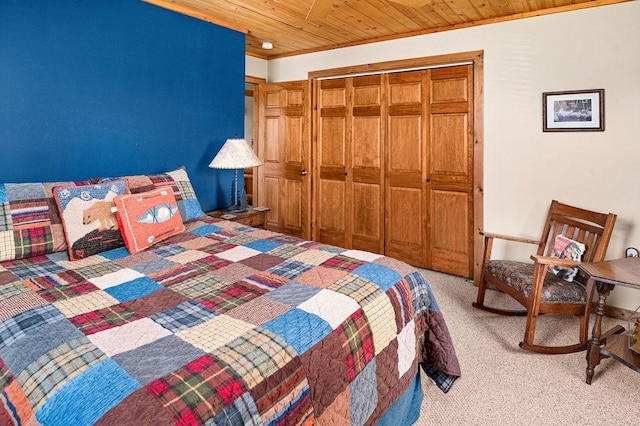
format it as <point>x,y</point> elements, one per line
<point>573,111</point>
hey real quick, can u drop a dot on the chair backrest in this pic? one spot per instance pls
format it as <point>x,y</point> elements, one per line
<point>592,229</point>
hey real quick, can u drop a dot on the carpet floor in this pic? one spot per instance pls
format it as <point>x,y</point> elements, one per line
<point>502,384</point>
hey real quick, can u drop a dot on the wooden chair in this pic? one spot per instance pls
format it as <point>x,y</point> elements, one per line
<point>538,289</point>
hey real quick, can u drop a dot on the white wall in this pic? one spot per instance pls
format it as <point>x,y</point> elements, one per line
<point>525,168</point>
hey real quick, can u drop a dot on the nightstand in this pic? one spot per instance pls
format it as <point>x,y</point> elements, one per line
<point>253,217</point>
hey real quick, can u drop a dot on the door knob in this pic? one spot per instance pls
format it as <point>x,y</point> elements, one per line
<point>303,172</point>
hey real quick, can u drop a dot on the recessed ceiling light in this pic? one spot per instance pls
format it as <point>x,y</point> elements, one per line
<point>267,45</point>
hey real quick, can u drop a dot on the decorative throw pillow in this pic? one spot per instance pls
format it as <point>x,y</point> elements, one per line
<point>566,248</point>
<point>30,224</point>
<point>90,226</point>
<point>148,218</point>
<point>180,184</point>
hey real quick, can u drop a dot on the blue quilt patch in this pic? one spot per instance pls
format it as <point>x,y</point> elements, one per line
<point>134,289</point>
<point>300,329</point>
<point>87,397</point>
<point>206,230</point>
<point>384,277</point>
<point>263,245</point>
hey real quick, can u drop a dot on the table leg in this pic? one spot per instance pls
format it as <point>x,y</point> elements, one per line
<point>593,347</point>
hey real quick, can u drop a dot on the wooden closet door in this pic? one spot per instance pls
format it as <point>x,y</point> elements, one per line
<point>332,155</point>
<point>350,184</point>
<point>367,168</point>
<point>450,170</point>
<point>284,147</point>
<point>406,207</point>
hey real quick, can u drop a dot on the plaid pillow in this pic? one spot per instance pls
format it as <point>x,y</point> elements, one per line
<point>30,224</point>
<point>179,182</point>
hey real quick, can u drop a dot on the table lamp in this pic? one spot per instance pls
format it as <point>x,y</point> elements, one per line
<point>235,154</point>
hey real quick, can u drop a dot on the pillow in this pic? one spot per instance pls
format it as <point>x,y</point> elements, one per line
<point>178,179</point>
<point>565,248</point>
<point>30,224</point>
<point>148,218</point>
<point>90,227</point>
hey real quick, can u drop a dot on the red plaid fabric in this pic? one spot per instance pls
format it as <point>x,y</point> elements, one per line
<point>103,319</point>
<point>359,343</point>
<point>343,262</point>
<point>203,386</point>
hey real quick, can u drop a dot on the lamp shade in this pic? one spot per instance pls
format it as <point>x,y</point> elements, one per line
<point>235,154</point>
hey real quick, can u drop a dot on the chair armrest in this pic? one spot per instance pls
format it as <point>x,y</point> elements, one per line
<point>509,238</point>
<point>554,261</point>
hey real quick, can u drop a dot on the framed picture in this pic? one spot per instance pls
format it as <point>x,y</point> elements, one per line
<point>573,111</point>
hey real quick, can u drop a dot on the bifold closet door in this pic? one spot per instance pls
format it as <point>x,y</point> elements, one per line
<point>450,170</point>
<point>349,163</point>
<point>406,203</point>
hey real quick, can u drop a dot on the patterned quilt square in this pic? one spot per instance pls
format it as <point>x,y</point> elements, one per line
<point>162,357</point>
<point>34,267</point>
<point>284,397</point>
<point>285,250</point>
<point>152,266</point>
<point>290,268</point>
<point>24,323</point>
<point>293,293</point>
<point>65,278</point>
<point>20,303</point>
<point>343,262</point>
<point>199,286</point>
<point>300,329</point>
<point>231,296</point>
<point>43,335</point>
<point>106,379</point>
<point>128,336</point>
<point>62,292</point>
<point>174,275</point>
<point>233,273</point>
<point>215,333</point>
<point>262,262</point>
<point>313,257</point>
<point>378,274</point>
<point>156,302</point>
<point>43,377</point>
<point>237,253</point>
<point>259,310</point>
<point>104,319</point>
<point>193,392</point>
<point>98,270</point>
<point>206,230</point>
<point>85,302</point>
<point>264,245</point>
<point>256,355</point>
<point>183,316</point>
<point>187,256</point>
<point>331,306</point>
<point>267,280</point>
<point>134,289</point>
<point>321,276</point>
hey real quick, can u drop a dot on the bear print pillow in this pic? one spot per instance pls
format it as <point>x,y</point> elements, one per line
<point>90,226</point>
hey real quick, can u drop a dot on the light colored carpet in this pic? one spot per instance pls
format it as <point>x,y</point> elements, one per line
<point>503,385</point>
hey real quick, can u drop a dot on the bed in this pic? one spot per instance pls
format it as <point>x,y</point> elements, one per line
<point>216,323</point>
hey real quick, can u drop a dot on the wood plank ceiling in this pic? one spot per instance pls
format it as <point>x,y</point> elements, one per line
<point>353,22</point>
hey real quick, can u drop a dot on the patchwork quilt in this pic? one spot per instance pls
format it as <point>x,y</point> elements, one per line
<point>220,324</point>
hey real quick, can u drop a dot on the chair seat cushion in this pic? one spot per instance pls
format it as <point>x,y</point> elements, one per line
<point>519,275</point>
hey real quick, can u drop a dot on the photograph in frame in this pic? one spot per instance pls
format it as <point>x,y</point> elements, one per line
<point>573,111</point>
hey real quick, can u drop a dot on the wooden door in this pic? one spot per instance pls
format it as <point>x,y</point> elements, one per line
<point>450,170</point>
<point>406,202</point>
<point>284,148</point>
<point>349,172</point>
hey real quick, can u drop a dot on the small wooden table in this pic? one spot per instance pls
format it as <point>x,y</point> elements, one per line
<point>255,216</point>
<point>605,276</point>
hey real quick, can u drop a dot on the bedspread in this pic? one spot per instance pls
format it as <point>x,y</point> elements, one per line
<point>221,324</point>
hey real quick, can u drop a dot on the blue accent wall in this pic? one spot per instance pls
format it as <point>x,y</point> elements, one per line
<point>114,87</point>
